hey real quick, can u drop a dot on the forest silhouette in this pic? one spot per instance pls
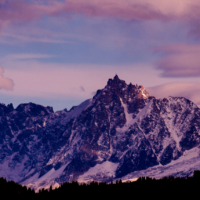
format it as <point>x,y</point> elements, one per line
<point>145,187</point>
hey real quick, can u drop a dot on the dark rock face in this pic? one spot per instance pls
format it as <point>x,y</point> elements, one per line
<point>121,124</point>
<point>34,110</point>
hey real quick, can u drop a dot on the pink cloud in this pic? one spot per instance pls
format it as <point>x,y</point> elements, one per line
<point>129,9</point>
<point>114,9</point>
<point>22,10</point>
<point>194,26</point>
<point>17,11</point>
<point>180,60</point>
<point>5,83</point>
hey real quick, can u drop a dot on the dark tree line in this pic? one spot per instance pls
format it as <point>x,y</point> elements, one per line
<point>144,187</point>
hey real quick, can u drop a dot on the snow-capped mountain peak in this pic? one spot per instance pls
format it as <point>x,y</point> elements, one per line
<point>118,88</point>
<point>121,131</point>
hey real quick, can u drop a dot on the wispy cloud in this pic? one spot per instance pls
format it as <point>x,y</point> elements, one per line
<point>190,91</point>
<point>18,11</point>
<point>22,10</point>
<point>82,88</point>
<point>17,37</point>
<point>129,9</point>
<point>27,56</point>
<point>5,83</point>
<point>180,60</point>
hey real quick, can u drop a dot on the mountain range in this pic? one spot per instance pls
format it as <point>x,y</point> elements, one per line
<point>121,133</point>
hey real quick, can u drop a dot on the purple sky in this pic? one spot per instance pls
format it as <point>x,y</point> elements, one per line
<point>59,52</point>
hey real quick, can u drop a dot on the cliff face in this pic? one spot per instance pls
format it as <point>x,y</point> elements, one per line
<point>121,130</point>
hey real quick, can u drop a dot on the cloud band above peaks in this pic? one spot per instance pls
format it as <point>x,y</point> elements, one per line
<point>180,60</point>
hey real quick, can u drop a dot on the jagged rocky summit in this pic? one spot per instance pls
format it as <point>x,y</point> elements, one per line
<point>122,132</point>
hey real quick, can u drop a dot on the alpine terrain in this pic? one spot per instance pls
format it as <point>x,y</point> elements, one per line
<point>122,132</point>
